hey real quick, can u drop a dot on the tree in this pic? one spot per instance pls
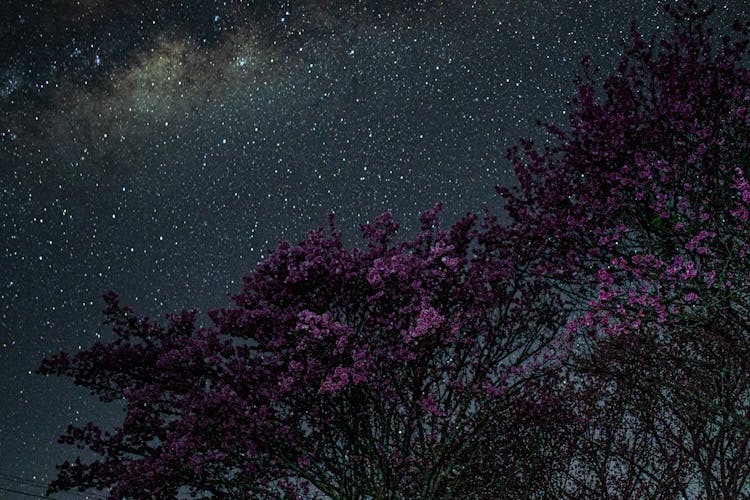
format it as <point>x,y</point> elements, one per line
<point>641,212</point>
<point>595,346</point>
<point>401,370</point>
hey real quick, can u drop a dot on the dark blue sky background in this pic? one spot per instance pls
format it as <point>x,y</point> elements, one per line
<point>161,148</point>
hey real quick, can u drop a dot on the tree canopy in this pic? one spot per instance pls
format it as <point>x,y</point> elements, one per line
<point>593,343</point>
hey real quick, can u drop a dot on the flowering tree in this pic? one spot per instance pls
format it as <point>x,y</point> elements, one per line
<point>641,213</point>
<point>596,346</point>
<point>401,370</point>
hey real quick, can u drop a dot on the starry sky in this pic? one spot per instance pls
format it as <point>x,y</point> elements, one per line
<point>162,148</point>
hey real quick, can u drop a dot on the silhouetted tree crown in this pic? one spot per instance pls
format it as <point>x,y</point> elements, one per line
<point>592,344</point>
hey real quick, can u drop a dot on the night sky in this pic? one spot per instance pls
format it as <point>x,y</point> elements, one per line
<point>161,148</point>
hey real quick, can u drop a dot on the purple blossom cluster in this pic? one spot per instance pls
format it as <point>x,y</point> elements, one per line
<point>342,371</point>
<point>595,346</point>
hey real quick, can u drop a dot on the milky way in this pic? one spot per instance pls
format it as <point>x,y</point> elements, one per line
<point>161,149</point>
